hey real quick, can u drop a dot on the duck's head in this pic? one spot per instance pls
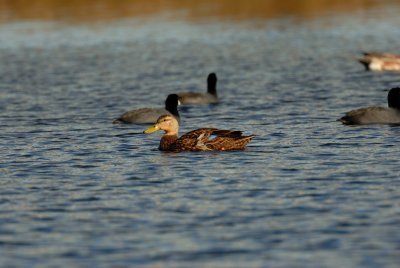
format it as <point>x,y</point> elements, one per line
<point>394,98</point>
<point>167,123</point>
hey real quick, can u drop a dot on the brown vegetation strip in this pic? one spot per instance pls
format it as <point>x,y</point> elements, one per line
<point>83,11</point>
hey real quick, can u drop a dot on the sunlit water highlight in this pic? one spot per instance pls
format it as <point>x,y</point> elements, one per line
<point>308,192</point>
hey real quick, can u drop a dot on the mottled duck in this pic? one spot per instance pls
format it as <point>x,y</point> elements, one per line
<point>202,139</point>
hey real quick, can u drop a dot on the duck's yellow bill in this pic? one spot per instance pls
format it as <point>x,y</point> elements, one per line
<point>151,129</point>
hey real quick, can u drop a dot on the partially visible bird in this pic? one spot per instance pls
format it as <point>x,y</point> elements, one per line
<point>202,139</point>
<point>208,97</point>
<point>376,115</point>
<point>380,61</point>
<point>150,115</point>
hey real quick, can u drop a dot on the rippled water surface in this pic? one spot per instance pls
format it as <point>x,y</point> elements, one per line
<point>79,191</point>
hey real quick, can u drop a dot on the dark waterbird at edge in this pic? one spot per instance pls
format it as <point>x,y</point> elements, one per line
<point>375,114</point>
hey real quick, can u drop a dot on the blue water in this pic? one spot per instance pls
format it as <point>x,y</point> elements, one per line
<point>78,191</point>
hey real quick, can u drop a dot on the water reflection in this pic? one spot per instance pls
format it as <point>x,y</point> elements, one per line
<point>78,11</point>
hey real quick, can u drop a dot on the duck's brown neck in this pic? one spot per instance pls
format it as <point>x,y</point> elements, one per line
<point>166,141</point>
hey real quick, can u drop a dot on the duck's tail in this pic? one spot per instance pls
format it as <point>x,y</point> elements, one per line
<point>243,141</point>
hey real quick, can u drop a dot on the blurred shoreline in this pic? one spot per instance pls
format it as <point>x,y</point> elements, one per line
<point>87,11</point>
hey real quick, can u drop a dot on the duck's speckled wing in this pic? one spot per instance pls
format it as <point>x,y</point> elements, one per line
<point>194,140</point>
<point>212,139</point>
